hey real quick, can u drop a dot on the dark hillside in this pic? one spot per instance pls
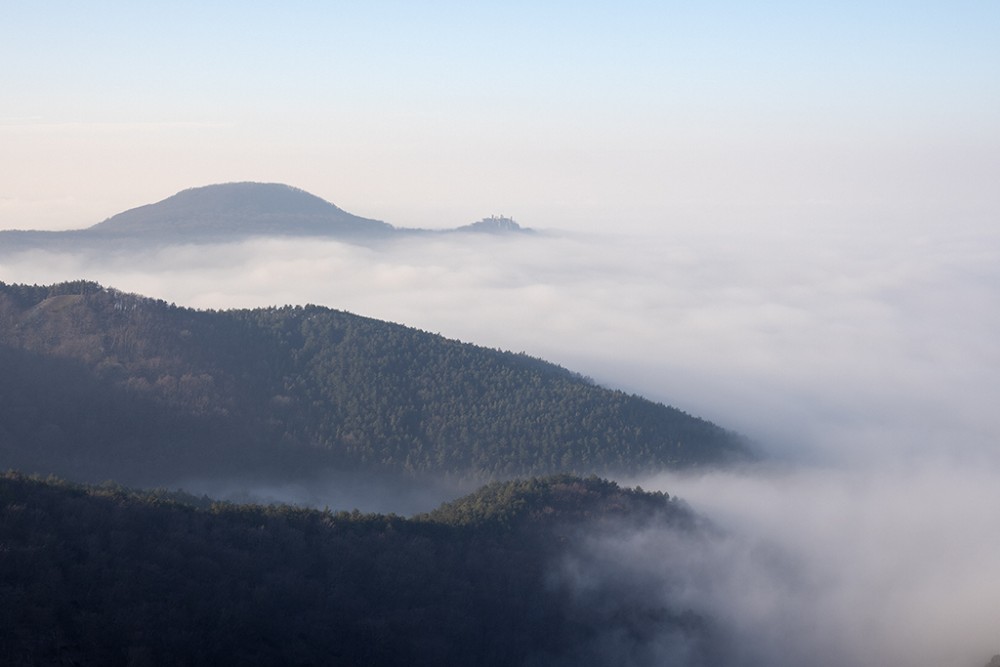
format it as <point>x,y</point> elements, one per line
<point>106,576</point>
<point>100,384</point>
<point>514,504</point>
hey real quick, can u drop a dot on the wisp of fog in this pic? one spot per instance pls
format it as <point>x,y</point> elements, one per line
<point>861,359</point>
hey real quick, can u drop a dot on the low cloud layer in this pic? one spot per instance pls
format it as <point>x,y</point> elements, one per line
<point>863,359</point>
<point>820,343</point>
<point>829,568</point>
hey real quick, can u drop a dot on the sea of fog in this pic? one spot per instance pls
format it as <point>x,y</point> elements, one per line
<point>862,358</point>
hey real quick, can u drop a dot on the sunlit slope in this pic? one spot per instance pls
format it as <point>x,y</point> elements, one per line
<point>99,384</point>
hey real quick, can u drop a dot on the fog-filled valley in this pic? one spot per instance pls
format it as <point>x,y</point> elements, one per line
<point>858,356</point>
<point>818,340</point>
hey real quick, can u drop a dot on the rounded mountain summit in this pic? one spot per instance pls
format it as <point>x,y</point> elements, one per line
<point>229,212</point>
<point>232,210</point>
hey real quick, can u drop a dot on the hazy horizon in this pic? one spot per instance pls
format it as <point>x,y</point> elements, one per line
<point>576,117</point>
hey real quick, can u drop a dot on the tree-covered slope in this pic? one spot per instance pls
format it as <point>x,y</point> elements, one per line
<point>105,576</point>
<point>100,384</point>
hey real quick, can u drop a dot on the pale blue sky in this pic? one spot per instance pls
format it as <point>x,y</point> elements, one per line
<point>571,115</point>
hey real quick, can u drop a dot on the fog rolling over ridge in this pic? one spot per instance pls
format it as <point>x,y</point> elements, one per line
<point>835,568</point>
<point>819,337</point>
<point>861,354</point>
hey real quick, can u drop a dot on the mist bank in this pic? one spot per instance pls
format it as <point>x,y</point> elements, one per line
<point>336,490</point>
<point>828,344</point>
<point>861,356</point>
<point>830,568</point>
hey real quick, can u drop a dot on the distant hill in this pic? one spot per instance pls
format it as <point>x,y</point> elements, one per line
<point>108,576</point>
<point>239,209</point>
<point>230,212</point>
<point>494,225</point>
<point>100,384</point>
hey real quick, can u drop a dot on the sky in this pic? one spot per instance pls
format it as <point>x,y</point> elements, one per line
<point>779,216</point>
<point>585,116</point>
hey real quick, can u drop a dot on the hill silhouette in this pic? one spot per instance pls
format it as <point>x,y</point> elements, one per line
<point>239,209</point>
<point>100,384</point>
<point>494,225</point>
<point>229,212</point>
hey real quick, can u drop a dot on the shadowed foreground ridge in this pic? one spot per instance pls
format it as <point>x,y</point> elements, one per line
<point>108,576</point>
<point>99,384</point>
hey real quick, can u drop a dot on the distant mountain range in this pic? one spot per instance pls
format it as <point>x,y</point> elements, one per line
<point>98,384</point>
<point>232,212</point>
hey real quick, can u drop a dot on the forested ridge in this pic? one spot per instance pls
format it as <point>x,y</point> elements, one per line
<point>101,384</point>
<point>108,576</point>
